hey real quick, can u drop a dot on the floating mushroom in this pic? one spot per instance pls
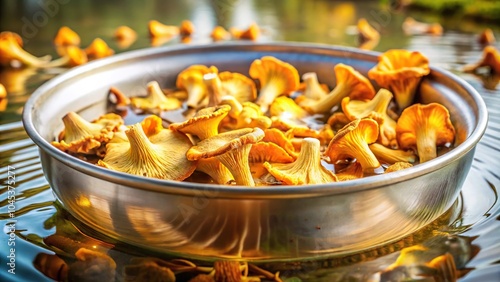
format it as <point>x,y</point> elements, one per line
<point>12,54</point>
<point>155,100</point>
<point>352,142</point>
<point>277,137</point>
<point>306,169</point>
<point>191,79</point>
<point>219,33</point>
<point>424,127</point>
<point>349,83</point>
<point>125,36</point>
<point>251,33</point>
<point>162,155</point>
<point>276,78</point>
<point>486,37</point>
<point>204,123</point>
<point>98,49</point>
<point>490,59</point>
<point>66,36</point>
<point>400,71</point>
<point>238,85</point>
<point>157,29</point>
<point>231,149</point>
<point>81,136</point>
<point>392,156</point>
<point>355,109</point>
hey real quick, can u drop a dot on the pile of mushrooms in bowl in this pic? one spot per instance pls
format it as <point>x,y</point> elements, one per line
<point>256,151</point>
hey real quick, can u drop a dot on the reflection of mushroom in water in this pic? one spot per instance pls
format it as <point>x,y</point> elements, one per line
<point>251,33</point>
<point>398,166</point>
<point>155,100</point>
<point>490,59</point>
<point>161,155</point>
<point>306,169</point>
<point>51,266</point>
<point>392,156</point>
<point>219,34</point>
<point>400,71</point>
<point>355,109</point>
<point>276,78</point>
<point>486,37</point>
<point>413,27</point>
<point>81,136</point>
<point>125,36</point>
<point>3,98</point>
<point>231,149</point>
<point>98,49</point>
<point>349,83</point>
<point>191,79</point>
<point>157,29</point>
<point>424,128</point>
<point>66,36</point>
<point>352,142</point>
<point>13,54</point>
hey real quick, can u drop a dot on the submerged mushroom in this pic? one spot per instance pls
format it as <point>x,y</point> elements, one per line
<point>349,83</point>
<point>66,36</point>
<point>352,142</point>
<point>232,149</point>
<point>162,155</point>
<point>191,79</point>
<point>424,128</point>
<point>155,100</point>
<point>306,169</point>
<point>205,123</point>
<point>12,54</point>
<point>490,59</point>
<point>276,78</point>
<point>81,136</point>
<point>157,29</point>
<point>98,49</point>
<point>355,109</point>
<point>400,71</point>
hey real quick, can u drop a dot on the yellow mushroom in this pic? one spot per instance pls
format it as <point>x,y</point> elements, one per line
<point>187,28</point>
<point>286,107</point>
<point>262,152</point>
<point>324,134</point>
<point>125,36</point>
<point>412,27</point>
<point>250,116</point>
<point>424,128</point>
<point>313,89</point>
<point>356,109</point>
<point>155,100</point>
<point>3,98</point>
<point>12,54</point>
<point>400,71</point>
<point>72,56</point>
<point>392,156</point>
<point>216,170</point>
<point>398,166</point>
<point>118,98</point>
<point>98,49</point>
<point>490,59</point>
<point>366,31</point>
<point>191,79</point>
<point>66,36</point>
<point>251,33</point>
<point>277,137</point>
<point>81,136</point>
<point>232,149</point>
<point>486,37</point>
<point>162,155</point>
<point>219,33</point>
<point>352,142</point>
<point>349,83</point>
<point>157,29</point>
<point>306,169</point>
<point>446,269</point>
<point>238,85</point>
<point>205,123</point>
<point>276,78</point>
<point>15,36</point>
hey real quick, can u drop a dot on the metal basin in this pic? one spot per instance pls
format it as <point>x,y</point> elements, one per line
<point>264,224</point>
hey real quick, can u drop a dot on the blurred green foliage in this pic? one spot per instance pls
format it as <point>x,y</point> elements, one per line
<point>479,9</point>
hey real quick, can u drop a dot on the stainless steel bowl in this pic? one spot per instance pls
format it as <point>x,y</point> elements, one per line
<point>274,223</point>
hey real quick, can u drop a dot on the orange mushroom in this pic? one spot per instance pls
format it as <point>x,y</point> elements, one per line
<point>219,33</point>
<point>155,100</point>
<point>205,123</point>
<point>251,33</point>
<point>490,59</point>
<point>12,54</point>
<point>277,137</point>
<point>313,89</point>
<point>98,49</point>
<point>349,83</point>
<point>251,115</point>
<point>400,71</point>
<point>306,169</point>
<point>157,29</point>
<point>424,127</point>
<point>276,78</point>
<point>262,152</point>
<point>3,98</point>
<point>352,142</point>
<point>187,28</point>
<point>66,36</point>
<point>72,56</point>
<point>125,33</point>
<point>486,37</point>
<point>351,172</point>
<point>286,107</point>
<point>191,79</point>
<point>398,166</point>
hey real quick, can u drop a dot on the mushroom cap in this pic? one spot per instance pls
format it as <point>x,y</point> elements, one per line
<point>238,85</point>
<point>155,100</point>
<point>269,152</point>
<point>486,37</point>
<point>162,155</point>
<point>277,137</point>
<point>224,142</point>
<point>11,50</point>
<point>286,106</point>
<point>425,127</point>
<point>204,123</point>
<point>191,79</point>
<point>10,34</point>
<point>157,29</point>
<point>352,142</point>
<point>99,49</point>
<point>66,36</point>
<point>125,33</point>
<point>270,69</point>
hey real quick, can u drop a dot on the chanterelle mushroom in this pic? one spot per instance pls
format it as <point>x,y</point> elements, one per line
<point>276,78</point>
<point>400,71</point>
<point>157,29</point>
<point>425,127</point>
<point>81,136</point>
<point>191,79</point>
<point>349,83</point>
<point>12,52</point>
<point>352,142</point>
<point>162,155</point>
<point>392,156</point>
<point>251,33</point>
<point>66,36</point>
<point>205,123</point>
<point>98,49</point>
<point>366,31</point>
<point>491,59</point>
<point>232,149</point>
<point>306,169</point>
<point>238,85</point>
<point>314,90</point>
<point>3,98</point>
<point>155,100</point>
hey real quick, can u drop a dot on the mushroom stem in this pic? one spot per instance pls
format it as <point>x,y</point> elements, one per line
<point>268,93</point>
<point>237,163</point>
<point>155,93</point>
<point>366,157</point>
<point>196,94</point>
<point>326,103</point>
<point>140,146</point>
<point>11,50</point>
<point>75,126</point>
<point>426,144</point>
<point>313,88</point>
<point>213,84</point>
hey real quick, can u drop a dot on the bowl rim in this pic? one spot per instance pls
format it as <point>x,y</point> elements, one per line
<point>239,192</point>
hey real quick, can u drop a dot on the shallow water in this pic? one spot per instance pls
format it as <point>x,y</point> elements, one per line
<point>469,231</point>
